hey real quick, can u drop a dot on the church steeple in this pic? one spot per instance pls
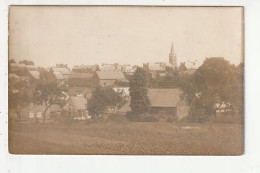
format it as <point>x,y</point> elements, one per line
<point>172,50</point>
<point>172,57</point>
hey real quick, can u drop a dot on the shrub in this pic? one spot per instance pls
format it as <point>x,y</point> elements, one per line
<point>141,117</point>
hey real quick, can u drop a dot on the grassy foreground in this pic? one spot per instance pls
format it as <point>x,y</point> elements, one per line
<point>137,138</point>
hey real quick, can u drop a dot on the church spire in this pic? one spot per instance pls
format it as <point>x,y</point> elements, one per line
<point>172,57</point>
<point>172,49</point>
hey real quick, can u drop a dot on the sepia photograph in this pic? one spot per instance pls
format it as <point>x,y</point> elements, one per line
<point>126,80</point>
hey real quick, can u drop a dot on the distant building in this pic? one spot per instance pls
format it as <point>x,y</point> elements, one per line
<point>62,66</point>
<point>110,67</point>
<point>127,69</point>
<point>61,74</point>
<point>63,71</point>
<point>108,78</point>
<point>81,79</point>
<point>85,68</point>
<point>157,68</point>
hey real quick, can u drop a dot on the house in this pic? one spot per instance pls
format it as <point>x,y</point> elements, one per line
<point>32,113</point>
<point>81,79</point>
<point>60,80</point>
<point>157,68</point>
<point>222,108</point>
<point>168,101</point>
<point>165,101</point>
<point>108,78</point>
<point>78,107</point>
<point>60,70</point>
<point>127,69</point>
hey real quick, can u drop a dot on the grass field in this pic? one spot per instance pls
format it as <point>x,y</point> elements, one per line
<point>137,138</point>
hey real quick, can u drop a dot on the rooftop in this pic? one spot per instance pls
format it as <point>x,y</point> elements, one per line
<point>117,75</point>
<point>35,74</point>
<point>80,75</point>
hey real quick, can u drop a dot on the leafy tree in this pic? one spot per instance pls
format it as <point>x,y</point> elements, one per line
<point>21,72</point>
<point>48,94</point>
<point>11,61</point>
<point>45,76</point>
<point>26,62</point>
<point>214,82</point>
<point>18,101</point>
<point>182,67</point>
<point>102,99</point>
<point>138,91</point>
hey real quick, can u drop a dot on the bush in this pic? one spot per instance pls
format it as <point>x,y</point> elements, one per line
<point>116,118</point>
<point>141,117</point>
<point>196,116</point>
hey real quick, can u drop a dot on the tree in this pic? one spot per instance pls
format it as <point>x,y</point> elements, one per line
<point>102,99</point>
<point>182,67</point>
<point>18,101</point>
<point>48,94</point>
<point>26,62</point>
<point>214,82</point>
<point>11,61</point>
<point>138,91</point>
<point>46,76</point>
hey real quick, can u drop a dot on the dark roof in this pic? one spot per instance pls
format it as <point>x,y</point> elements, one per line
<point>117,75</point>
<point>164,97</point>
<point>80,75</point>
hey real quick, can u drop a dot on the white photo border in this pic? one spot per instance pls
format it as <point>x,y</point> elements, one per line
<point>249,161</point>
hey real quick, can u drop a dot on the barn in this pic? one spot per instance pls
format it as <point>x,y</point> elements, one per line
<point>164,101</point>
<point>168,101</point>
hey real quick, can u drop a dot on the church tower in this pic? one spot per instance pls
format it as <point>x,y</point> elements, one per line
<point>172,57</point>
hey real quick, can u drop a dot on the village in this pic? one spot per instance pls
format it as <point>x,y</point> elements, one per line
<point>126,109</point>
<point>78,83</point>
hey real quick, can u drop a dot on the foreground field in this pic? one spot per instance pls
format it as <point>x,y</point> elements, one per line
<point>126,138</point>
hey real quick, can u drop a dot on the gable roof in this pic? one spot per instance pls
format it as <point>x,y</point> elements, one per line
<point>164,97</point>
<point>79,102</point>
<point>35,74</point>
<point>58,75</point>
<point>80,75</point>
<point>61,70</point>
<point>117,75</point>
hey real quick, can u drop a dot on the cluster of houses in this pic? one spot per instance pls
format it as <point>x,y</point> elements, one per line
<point>82,79</point>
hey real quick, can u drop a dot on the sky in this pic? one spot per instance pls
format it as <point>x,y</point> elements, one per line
<point>127,35</point>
